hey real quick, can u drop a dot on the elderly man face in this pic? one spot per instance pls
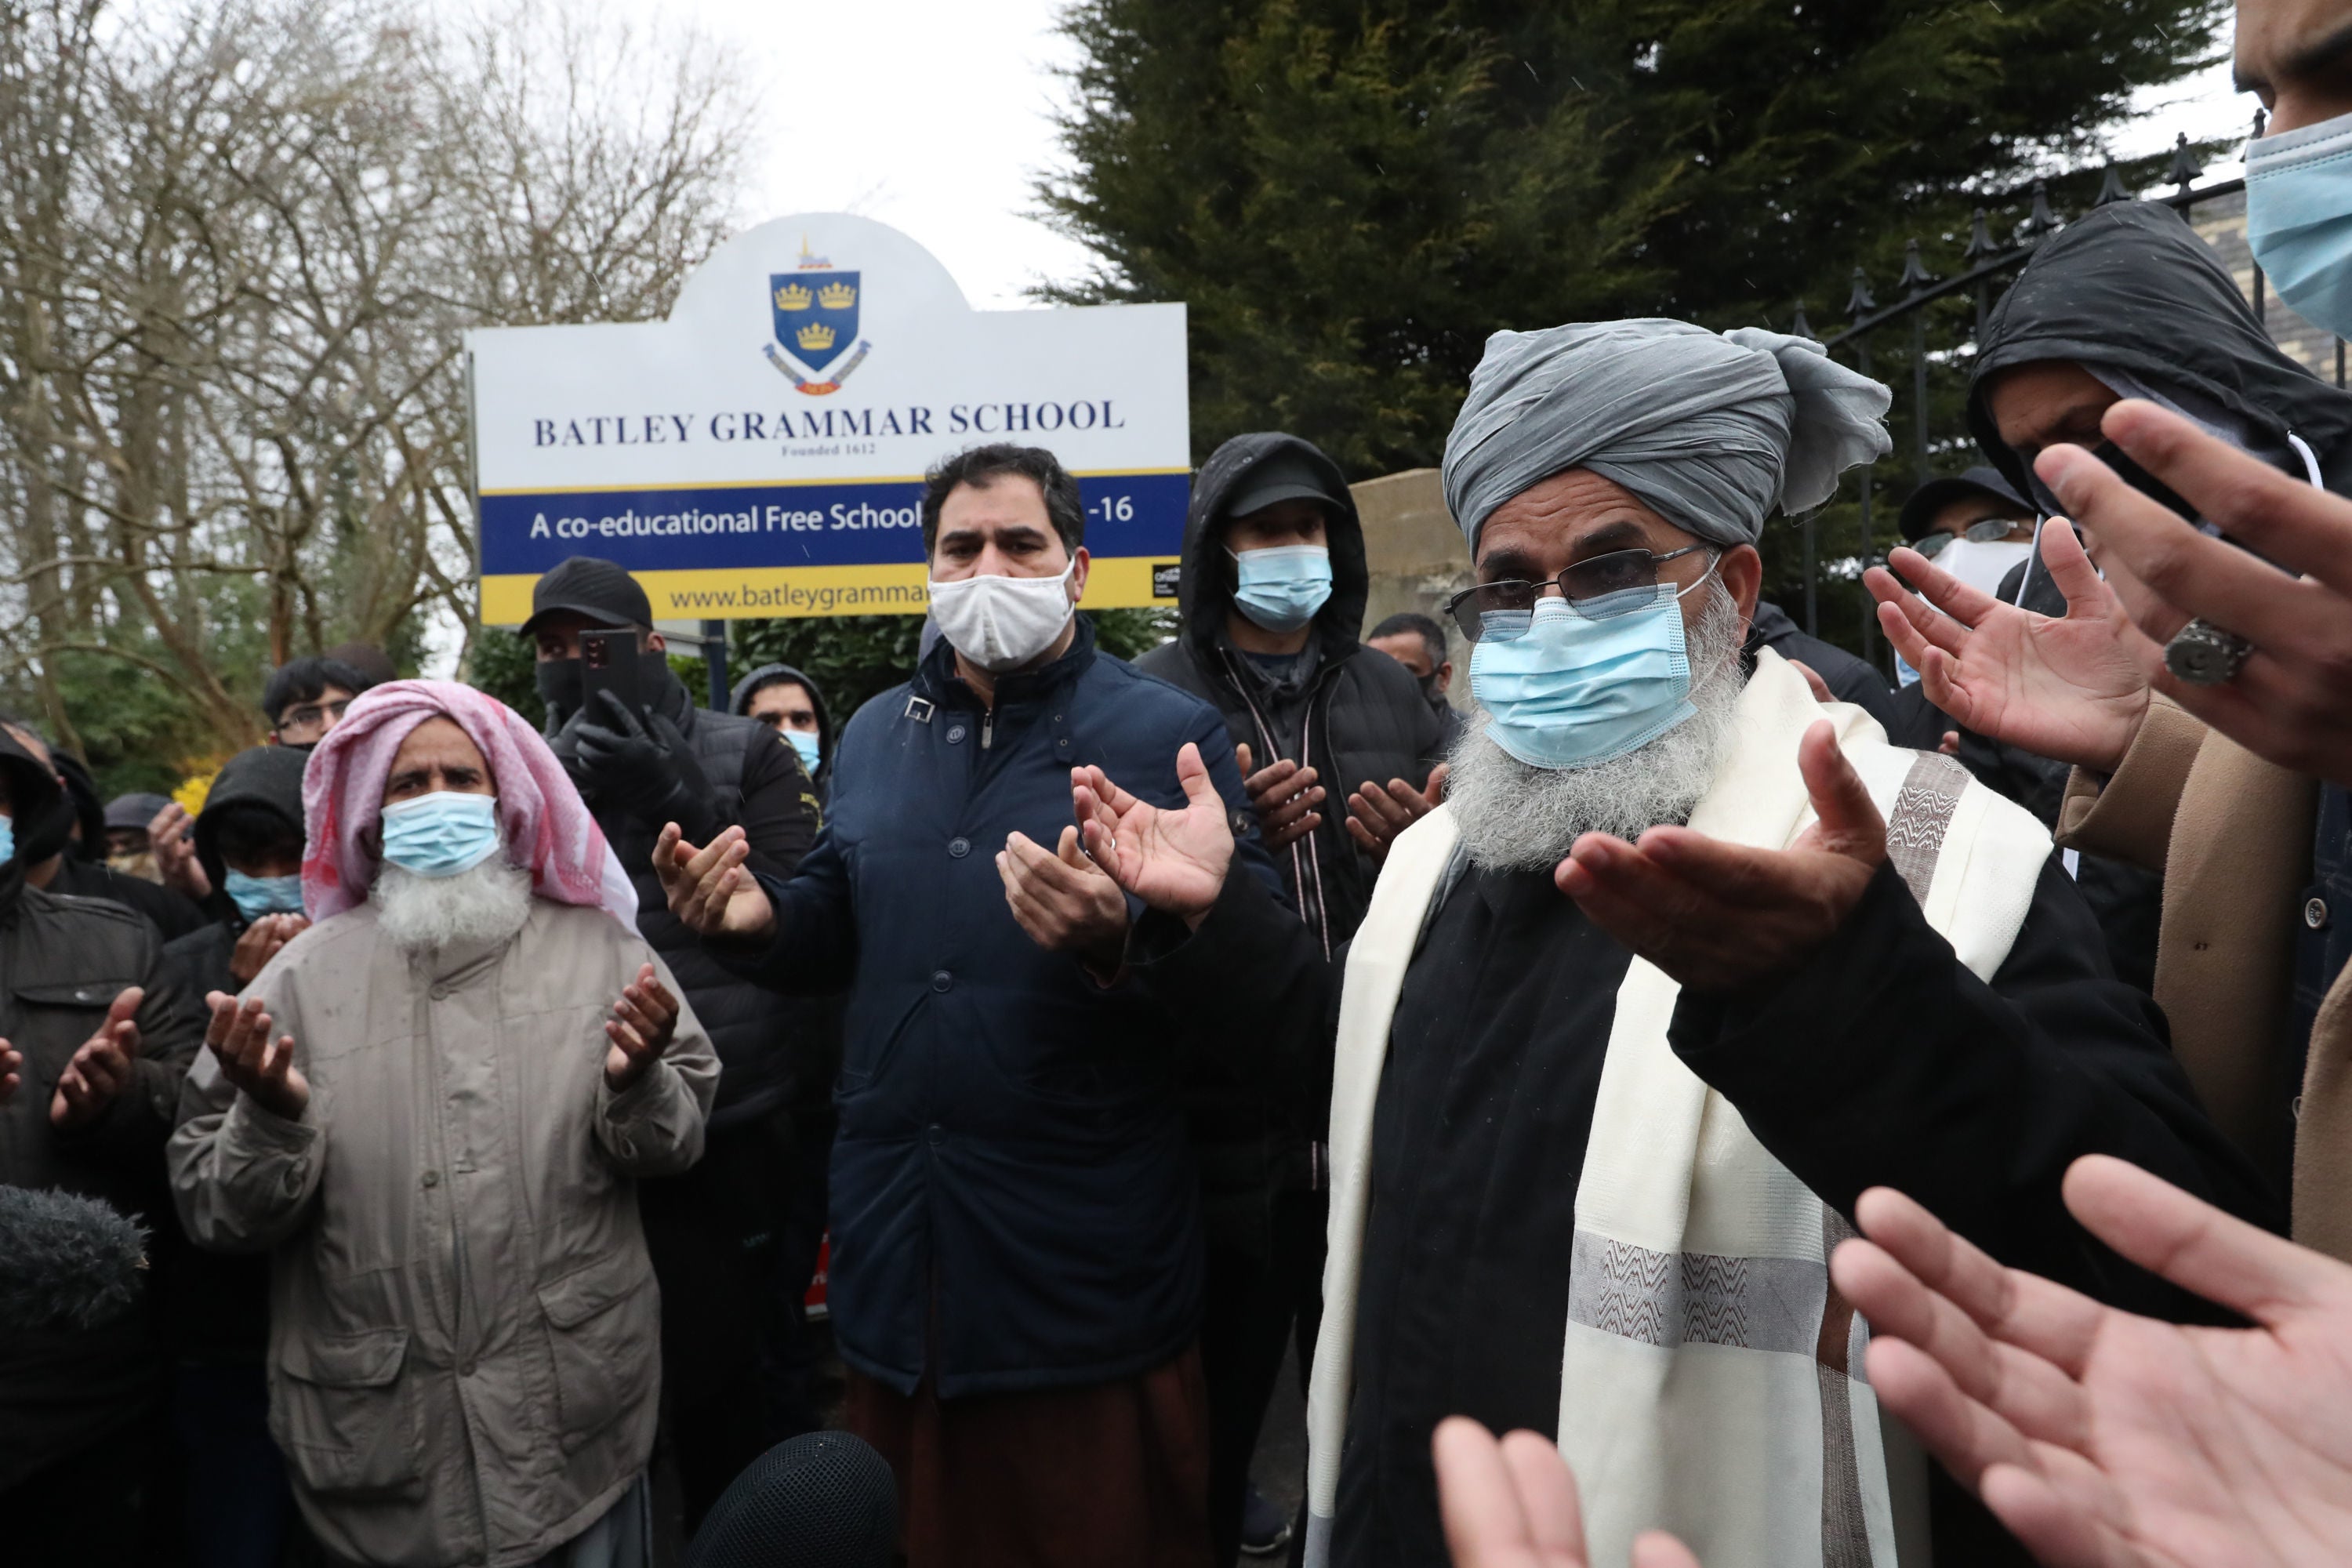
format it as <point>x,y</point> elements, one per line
<point>438,756</point>
<point>1579,516</point>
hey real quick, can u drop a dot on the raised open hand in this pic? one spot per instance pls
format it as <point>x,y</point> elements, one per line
<point>710,891</point>
<point>1512,1504</point>
<point>2292,700</point>
<point>2074,688</point>
<point>239,1038</point>
<point>100,1068</point>
<point>1064,902</point>
<point>261,942</point>
<point>1285,796</point>
<point>172,839</point>
<point>1175,861</point>
<point>1376,816</point>
<point>2106,1440</point>
<point>643,1022</point>
<point>1717,916</point>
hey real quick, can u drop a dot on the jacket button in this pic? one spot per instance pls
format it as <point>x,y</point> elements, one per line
<point>958,848</point>
<point>466,1369</point>
<point>935,1133</point>
<point>955,734</point>
<point>941,980</point>
<point>1062,744</point>
<point>432,1178</point>
<point>440,993</point>
<point>2315,914</point>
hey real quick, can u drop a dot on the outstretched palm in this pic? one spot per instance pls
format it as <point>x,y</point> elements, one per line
<point>2074,688</point>
<point>1174,861</point>
<point>2106,1440</point>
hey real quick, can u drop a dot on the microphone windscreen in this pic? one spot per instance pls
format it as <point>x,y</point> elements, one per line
<point>823,1499</point>
<point>66,1262</point>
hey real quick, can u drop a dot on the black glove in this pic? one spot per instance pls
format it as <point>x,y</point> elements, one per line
<point>645,768</point>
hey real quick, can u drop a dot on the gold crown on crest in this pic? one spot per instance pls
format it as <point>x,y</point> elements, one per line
<point>792,297</point>
<point>815,335</point>
<point>837,296</point>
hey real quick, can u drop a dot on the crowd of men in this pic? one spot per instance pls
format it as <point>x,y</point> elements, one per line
<point>1735,1074</point>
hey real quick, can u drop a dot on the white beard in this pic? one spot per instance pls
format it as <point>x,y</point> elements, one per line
<point>1517,817</point>
<point>485,904</point>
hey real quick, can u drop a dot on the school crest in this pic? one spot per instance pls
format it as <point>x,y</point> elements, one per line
<point>815,308</point>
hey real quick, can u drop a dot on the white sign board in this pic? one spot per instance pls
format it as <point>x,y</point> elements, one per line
<point>762,451</point>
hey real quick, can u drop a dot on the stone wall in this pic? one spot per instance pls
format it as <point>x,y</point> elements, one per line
<point>1417,556</point>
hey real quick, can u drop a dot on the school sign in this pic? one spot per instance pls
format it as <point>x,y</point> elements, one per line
<point>762,451</point>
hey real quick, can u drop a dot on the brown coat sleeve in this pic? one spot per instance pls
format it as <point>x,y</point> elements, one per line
<point>2129,815</point>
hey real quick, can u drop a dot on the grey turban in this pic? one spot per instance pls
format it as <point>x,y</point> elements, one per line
<point>1711,430</point>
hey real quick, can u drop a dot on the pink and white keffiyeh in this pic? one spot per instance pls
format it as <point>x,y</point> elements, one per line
<point>548,828</point>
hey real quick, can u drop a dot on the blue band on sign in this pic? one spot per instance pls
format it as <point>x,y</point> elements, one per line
<point>865,522</point>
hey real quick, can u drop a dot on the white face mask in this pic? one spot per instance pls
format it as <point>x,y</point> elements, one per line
<point>1982,565</point>
<point>1003,623</point>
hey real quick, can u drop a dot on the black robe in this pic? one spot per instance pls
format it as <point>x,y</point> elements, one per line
<point>1880,1061</point>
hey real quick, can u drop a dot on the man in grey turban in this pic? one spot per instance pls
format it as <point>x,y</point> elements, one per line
<point>1792,962</point>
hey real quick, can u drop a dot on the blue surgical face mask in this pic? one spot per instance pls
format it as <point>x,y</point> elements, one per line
<point>441,834</point>
<point>2299,218</point>
<point>7,840</point>
<point>809,746</point>
<point>1569,691</point>
<point>257,896</point>
<point>1280,588</point>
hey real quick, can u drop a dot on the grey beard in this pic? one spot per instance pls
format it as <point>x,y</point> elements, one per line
<point>1517,817</point>
<point>487,904</point>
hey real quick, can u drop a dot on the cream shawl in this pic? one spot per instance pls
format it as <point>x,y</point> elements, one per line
<point>1712,1379</point>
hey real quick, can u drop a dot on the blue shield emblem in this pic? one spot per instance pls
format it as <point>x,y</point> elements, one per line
<point>816,313</point>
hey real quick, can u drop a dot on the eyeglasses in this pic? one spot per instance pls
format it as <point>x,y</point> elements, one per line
<point>311,715</point>
<point>1601,589</point>
<point>1984,531</point>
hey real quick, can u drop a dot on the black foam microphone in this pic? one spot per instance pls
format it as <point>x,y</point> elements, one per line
<point>66,1262</point>
<point>823,1499</point>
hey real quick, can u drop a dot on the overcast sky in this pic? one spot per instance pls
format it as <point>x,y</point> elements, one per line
<point>935,116</point>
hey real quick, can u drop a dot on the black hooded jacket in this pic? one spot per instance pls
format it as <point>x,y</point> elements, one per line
<point>65,1389</point>
<point>2130,286</point>
<point>267,776</point>
<point>219,1303</point>
<point>738,702</point>
<point>1366,717</point>
<point>83,873</point>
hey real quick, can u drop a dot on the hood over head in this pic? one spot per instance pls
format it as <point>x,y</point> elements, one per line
<point>738,700</point>
<point>266,776</point>
<point>2130,289</point>
<point>1205,589</point>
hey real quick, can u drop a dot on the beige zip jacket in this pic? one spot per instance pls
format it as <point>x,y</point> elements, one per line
<point>464,1346</point>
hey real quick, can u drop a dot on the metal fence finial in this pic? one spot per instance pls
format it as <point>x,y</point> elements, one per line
<point>1981,243</point>
<point>1860,303</point>
<point>2185,166</point>
<point>1800,327</point>
<point>1915,275</point>
<point>2040,220</point>
<point>2111,188</point>
<point>2262,119</point>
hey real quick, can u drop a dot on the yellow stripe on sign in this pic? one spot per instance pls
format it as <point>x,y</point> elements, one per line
<point>757,592</point>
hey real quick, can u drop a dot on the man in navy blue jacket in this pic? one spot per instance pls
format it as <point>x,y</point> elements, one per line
<point>1017,1255</point>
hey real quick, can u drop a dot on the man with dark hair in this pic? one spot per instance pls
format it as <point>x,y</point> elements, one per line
<point>95,1036</point>
<point>1269,611</point>
<point>716,1231</point>
<point>128,818</point>
<point>305,697</point>
<point>1015,1280</point>
<point>1418,643</point>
